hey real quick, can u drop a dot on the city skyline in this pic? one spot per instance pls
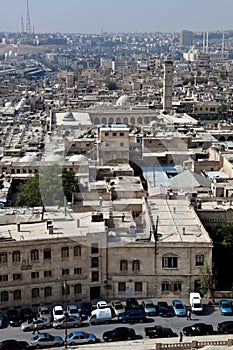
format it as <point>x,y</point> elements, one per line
<point>91,16</point>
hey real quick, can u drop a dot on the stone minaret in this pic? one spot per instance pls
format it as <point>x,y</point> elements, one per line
<point>167,86</point>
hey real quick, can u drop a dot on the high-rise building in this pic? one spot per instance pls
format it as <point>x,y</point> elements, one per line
<point>186,38</point>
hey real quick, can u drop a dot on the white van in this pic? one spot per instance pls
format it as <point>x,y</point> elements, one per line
<point>102,315</point>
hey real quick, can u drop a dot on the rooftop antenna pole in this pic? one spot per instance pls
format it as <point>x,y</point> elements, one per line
<point>207,42</point>
<point>22,24</point>
<point>28,23</point>
<point>203,42</point>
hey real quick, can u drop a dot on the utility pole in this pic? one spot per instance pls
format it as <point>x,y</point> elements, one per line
<point>65,294</point>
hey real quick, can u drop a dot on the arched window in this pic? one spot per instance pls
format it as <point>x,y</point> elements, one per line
<point>16,256</point>
<point>35,293</point>
<point>17,294</point>
<point>47,292</point>
<point>78,288</point>
<point>136,265</point>
<point>34,254</point>
<point>124,265</point>
<point>4,296</point>
<point>166,286</point>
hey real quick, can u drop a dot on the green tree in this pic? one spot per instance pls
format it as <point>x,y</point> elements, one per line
<point>221,109</point>
<point>111,85</point>
<point>48,188</point>
<point>206,280</point>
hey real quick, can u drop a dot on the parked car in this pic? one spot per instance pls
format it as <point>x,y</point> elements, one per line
<point>27,314</point>
<point>178,308</point>
<point>225,327</point>
<point>225,307</point>
<point>119,333</point>
<point>42,340</point>
<point>67,322</point>
<point>44,312</point>
<point>116,307</point>
<point>149,307</point>
<point>40,323</point>
<point>80,338</point>
<point>72,310</point>
<point>14,318</point>
<point>12,344</point>
<point>159,332</point>
<point>58,312</point>
<point>198,329</point>
<point>163,309</point>
<point>132,316</point>
<point>85,310</point>
<point>132,303</point>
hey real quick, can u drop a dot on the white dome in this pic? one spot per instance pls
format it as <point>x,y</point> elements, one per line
<point>29,159</point>
<point>68,117</point>
<point>78,158</point>
<point>54,158</point>
<point>123,100</point>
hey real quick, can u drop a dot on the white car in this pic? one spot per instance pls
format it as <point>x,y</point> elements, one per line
<point>58,312</point>
<point>72,310</point>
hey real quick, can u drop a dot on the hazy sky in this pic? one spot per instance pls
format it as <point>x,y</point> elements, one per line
<point>92,16</point>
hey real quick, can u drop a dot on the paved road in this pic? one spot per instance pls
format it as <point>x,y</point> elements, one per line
<point>211,315</point>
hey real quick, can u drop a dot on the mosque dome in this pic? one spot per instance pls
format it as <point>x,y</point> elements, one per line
<point>78,158</point>
<point>68,117</point>
<point>56,158</point>
<point>29,158</point>
<point>123,100</point>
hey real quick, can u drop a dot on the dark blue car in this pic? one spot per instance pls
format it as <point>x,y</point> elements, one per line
<point>131,316</point>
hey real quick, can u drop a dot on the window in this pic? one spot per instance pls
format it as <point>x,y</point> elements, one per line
<point>16,276</point>
<point>121,287</point>
<point>106,133</point>
<point>3,258</point>
<point>65,252</point>
<point>35,274</point>
<point>48,292</point>
<point>77,271</point>
<point>16,256</point>
<point>199,260</point>
<point>47,253</point>
<point>77,250</point>
<point>122,134</point>
<point>95,262</point>
<point>114,134</point>
<point>169,261</point>
<point>34,254</point>
<point>78,288</point>
<point>65,289</point>
<point>177,287</point>
<point>121,144</point>
<point>124,265</point>
<point>95,276</point>
<point>35,293</point>
<point>48,273</point>
<point>17,294</point>
<point>136,265</point>
<point>65,272</point>
<point>165,286</point>
<point>138,286</point>
<point>94,248</point>
<point>3,278</point>
<point>4,296</point>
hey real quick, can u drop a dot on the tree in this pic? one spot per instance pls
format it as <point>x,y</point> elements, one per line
<point>221,109</point>
<point>111,85</point>
<point>206,280</point>
<point>48,188</point>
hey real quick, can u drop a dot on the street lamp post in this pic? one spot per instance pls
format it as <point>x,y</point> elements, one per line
<point>65,295</point>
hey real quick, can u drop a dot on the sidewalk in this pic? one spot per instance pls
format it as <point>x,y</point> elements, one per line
<point>150,344</point>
